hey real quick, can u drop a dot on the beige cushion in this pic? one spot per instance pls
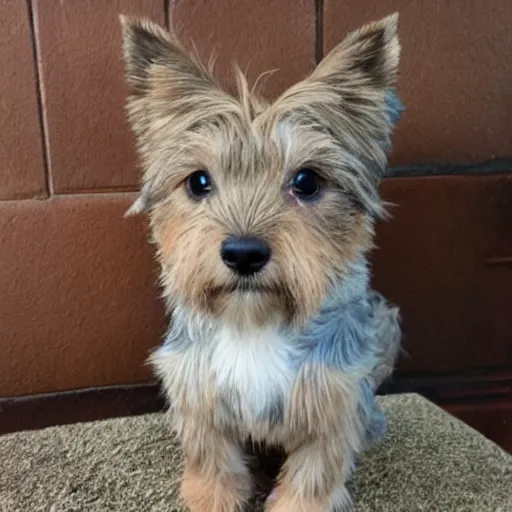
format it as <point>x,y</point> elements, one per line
<point>430,461</point>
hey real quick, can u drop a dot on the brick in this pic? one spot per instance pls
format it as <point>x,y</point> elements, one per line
<point>446,259</point>
<point>22,172</point>
<point>455,75</point>
<point>79,305</point>
<point>79,44</point>
<point>258,35</point>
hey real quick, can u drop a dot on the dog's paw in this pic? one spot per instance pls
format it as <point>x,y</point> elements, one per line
<point>201,494</point>
<point>272,498</point>
<point>280,501</point>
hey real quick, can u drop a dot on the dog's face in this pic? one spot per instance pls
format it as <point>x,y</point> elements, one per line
<point>257,209</point>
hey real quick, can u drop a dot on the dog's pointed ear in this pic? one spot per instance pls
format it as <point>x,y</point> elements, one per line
<point>147,46</point>
<point>167,85</point>
<point>350,98</point>
<point>367,60</point>
<point>369,56</point>
<point>354,83</point>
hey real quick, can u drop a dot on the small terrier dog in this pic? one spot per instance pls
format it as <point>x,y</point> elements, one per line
<point>263,214</point>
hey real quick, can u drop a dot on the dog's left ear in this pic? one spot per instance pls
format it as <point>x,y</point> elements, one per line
<point>369,56</point>
<point>353,86</point>
<point>365,64</point>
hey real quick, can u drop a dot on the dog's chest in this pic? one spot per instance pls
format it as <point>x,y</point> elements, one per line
<point>253,374</point>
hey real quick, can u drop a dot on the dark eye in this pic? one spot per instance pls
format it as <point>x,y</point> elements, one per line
<point>306,184</point>
<point>199,184</point>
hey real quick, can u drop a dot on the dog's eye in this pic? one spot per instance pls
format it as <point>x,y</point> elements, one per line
<point>199,184</point>
<point>305,184</point>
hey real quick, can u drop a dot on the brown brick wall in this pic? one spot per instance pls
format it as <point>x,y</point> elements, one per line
<point>78,299</point>
<point>22,171</point>
<point>455,75</point>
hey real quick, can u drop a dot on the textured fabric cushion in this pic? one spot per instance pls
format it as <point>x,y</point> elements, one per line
<point>429,461</point>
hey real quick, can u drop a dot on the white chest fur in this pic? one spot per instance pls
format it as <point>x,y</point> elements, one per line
<point>252,373</point>
<point>253,370</point>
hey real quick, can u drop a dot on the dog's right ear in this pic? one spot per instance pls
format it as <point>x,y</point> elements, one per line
<point>167,86</point>
<point>148,47</point>
<point>161,74</point>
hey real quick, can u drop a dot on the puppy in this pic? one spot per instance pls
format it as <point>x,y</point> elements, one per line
<point>262,214</point>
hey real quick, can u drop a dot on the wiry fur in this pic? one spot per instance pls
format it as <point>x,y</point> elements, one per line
<point>291,356</point>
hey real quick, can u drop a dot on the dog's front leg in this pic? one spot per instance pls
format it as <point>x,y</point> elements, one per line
<point>216,478</point>
<point>313,479</point>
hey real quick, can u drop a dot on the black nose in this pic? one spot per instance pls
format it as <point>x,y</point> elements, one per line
<point>245,255</point>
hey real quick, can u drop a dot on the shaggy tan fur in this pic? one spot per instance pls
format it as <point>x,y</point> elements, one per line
<point>329,121</point>
<point>335,122</point>
<point>207,492</point>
